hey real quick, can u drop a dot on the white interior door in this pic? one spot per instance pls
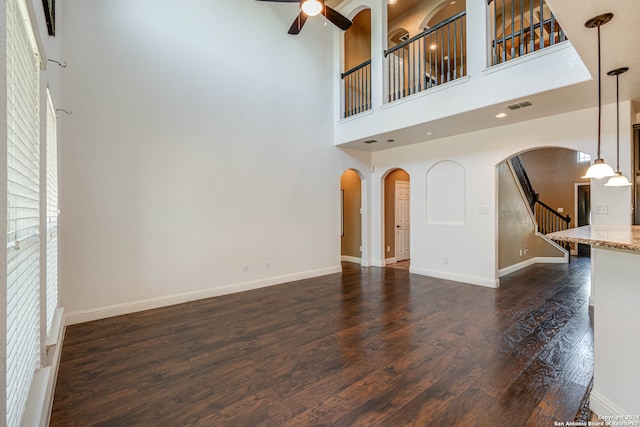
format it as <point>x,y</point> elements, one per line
<point>403,223</point>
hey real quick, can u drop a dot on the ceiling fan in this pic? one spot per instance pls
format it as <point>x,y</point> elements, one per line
<point>313,8</point>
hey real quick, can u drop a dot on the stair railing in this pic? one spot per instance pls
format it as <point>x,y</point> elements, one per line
<point>549,221</point>
<point>357,89</point>
<point>513,36</point>
<point>435,56</point>
<point>523,178</point>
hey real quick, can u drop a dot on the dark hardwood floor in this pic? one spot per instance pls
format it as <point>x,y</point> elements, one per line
<point>368,347</point>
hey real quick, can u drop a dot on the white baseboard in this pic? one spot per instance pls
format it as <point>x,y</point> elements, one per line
<point>151,303</point>
<point>352,259</point>
<point>480,281</point>
<point>390,260</point>
<point>531,261</point>
<point>600,405</point>
<point>377,264</point>
<point>43,385</point>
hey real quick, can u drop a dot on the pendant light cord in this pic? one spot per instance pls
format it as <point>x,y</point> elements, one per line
<point>599,94</point>
<point>617,124</point>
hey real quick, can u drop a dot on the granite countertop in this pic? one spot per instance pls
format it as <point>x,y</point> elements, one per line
<point>625,237</point>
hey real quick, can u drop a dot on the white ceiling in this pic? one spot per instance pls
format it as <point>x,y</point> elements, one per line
<point>620,40</point>
<point>620,47</point>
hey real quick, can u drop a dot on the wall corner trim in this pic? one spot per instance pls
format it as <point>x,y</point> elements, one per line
<point>164,301</point>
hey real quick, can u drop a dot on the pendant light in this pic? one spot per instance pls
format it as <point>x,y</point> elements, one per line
<point>599,169</point>
<point>312,7</point>
<point>618,180</point>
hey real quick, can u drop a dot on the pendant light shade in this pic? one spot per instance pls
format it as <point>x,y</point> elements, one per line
<point>311,7</point>
<point>618,180</point>
<point>599,169</point>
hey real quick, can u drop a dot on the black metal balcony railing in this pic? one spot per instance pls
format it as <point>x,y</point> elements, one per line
<point>513,36</point>
<point>435,56</point>
<point>357,89</point>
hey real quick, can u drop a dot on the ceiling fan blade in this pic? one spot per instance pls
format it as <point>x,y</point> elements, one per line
<point>298,23</point>
<point>337,18</point>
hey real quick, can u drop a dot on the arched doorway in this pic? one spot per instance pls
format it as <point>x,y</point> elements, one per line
<point>351,216</point>
<point>539,191</point>
<point>397,218</point>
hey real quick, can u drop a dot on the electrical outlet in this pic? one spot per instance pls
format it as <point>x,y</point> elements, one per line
<point>388,248</point>
<point>520,252</point>
<point>360,248</point>
<point>526,249</point>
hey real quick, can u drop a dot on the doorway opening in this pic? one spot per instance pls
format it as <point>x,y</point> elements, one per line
<point>397,219</point>
<point>351,217</point>
<point>538,195</point>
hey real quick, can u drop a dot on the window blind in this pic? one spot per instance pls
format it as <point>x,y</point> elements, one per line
<point>23,252</point>
<point>52,213</point>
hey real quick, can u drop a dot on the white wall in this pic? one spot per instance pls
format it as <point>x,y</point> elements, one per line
<point>471,249</point>
<point>200,142</point>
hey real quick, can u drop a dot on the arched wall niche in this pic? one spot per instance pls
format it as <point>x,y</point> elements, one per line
<point>446,193</point>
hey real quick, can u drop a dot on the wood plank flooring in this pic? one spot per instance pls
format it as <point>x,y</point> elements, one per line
<point>368,347</point>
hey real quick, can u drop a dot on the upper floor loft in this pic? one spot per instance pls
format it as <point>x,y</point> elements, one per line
<point>415,70</point>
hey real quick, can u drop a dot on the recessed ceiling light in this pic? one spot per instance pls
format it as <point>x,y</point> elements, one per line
<point>429,133</point>
<point>392,1</point>
<point>453,2</point>
<point>501,115</point>
<point>433,46</point>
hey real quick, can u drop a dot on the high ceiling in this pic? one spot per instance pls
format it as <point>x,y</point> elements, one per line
<point>620,41</point>
<point>400,7</point>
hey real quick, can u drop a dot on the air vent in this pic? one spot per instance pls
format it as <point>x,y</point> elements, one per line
<point>518,105</point>
<point>369,141</point>
<point>404,38</point>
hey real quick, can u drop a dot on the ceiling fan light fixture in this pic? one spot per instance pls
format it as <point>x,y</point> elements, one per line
<point>312,7</point>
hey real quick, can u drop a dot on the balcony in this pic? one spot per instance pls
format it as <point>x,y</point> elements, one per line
<point>459,62</point>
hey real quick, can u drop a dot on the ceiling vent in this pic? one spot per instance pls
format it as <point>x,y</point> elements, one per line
<point>369,141</point>
<point>404,38</point>
<point>518,105</point>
